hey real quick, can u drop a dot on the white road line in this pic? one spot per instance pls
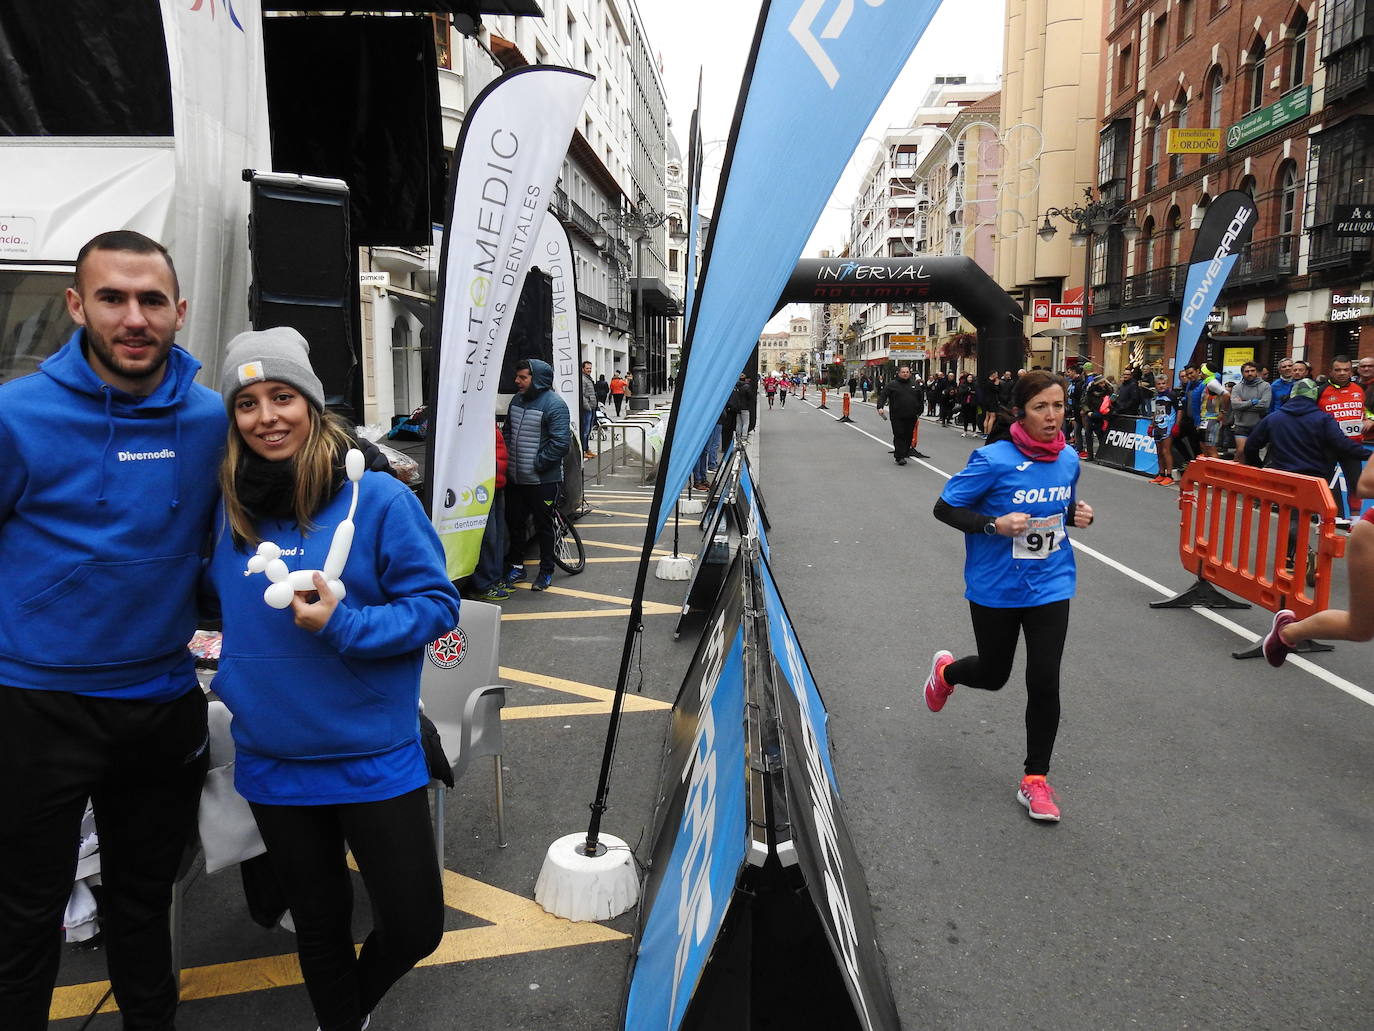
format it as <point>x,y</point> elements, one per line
<point>1354,690</point>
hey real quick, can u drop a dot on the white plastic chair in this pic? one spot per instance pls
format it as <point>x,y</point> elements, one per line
<point>460,693</point>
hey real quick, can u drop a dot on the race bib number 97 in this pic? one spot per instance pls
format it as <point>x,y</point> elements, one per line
<point>1043,536</point>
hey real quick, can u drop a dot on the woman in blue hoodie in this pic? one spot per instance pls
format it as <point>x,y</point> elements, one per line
<point>322,673</point>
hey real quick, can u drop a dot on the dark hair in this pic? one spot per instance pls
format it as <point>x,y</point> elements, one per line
<point>1033,383</point>
<point>126,240</point>
<point>1340,358</point>
<point>523,365</point>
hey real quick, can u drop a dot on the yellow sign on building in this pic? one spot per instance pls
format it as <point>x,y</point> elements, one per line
<point>1194,141</point>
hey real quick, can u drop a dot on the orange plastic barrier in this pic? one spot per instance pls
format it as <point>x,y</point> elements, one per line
<point>1234,534</point>
<point>822,404</point>
<point>845,417</point>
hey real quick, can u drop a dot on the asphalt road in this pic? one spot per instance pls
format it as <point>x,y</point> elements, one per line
<point>1208,873</point>
<point>1210,869</point>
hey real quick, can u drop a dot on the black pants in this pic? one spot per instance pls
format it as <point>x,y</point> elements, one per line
<point>968,418</point>
<point>996,631</point>
<point>142,764</point>
<point>902,429</point>
<point>525,501</point>
<point>393,844</point>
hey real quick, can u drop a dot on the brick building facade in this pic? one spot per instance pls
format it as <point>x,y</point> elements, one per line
<point>1289,85</point>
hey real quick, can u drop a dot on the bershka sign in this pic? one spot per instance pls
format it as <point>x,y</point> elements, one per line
<point>1347,307</point>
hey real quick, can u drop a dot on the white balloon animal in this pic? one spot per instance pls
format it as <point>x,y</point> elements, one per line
<point>286,582</point>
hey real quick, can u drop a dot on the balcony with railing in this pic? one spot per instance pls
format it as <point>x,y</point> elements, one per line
<point>1160,284</point>
<point>1329,251</point>
<point>1264,261</point>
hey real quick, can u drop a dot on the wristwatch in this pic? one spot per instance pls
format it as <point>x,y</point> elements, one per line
<point>990,528</point>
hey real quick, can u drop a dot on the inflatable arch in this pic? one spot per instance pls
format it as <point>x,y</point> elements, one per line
<point>958,281</point>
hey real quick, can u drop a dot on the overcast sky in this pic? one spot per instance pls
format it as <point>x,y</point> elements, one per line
<point>712,37</point>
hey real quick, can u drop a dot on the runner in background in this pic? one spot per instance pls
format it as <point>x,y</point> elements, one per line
<point>1014,502</point>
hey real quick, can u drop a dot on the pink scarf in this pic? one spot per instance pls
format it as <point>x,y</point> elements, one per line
<point>1038,450</point>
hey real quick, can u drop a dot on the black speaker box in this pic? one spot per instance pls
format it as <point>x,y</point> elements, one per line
<point>305,275</point>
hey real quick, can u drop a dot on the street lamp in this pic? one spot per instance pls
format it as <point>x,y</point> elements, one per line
<point>638,222</point>
<point>1091,218</point>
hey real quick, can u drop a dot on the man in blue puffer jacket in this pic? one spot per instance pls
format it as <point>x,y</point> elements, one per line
<point>537,439</point>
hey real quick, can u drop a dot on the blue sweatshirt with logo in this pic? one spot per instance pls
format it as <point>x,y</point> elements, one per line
<point>333,716</point>
<point>1037,568</point>
<point>105,504</point>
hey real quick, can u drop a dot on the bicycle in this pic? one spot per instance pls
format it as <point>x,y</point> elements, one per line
<point>569,554</point>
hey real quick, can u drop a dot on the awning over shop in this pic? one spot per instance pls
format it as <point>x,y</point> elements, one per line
<point>657,296</point>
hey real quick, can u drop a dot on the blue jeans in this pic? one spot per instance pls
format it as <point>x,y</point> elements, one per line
<point>491,558</point>
<point>587,419</point>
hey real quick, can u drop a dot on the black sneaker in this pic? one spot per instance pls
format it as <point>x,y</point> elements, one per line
<point>516,574</point>
<point>542,582</point>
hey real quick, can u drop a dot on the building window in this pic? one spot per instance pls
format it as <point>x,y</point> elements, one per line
<point>1185,19</point>
<point>1297,50</point>
<point>1215,86</point>
<point>1161,37</point>
<point>1288,213</point>
<point>1146,258</point>
<point>1344,156</point>
<point>1125,68</point>
<point>1217,6</point>
<point>672,260</point>
<point>1113,159</point>
<point>1256,75</point>
<point>441,41</point>
<point>1154,150</point>
<point>1180,122</point>
<point>1175,230</point>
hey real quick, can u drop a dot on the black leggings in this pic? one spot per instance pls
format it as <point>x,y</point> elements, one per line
<point>995,631</point>
<point>393,844</point>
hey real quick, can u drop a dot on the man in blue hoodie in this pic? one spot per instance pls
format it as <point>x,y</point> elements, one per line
<point>537,439</point>
<point>107,491</point>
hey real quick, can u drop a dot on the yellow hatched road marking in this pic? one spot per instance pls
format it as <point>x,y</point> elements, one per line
<point>656,608</point>
<point>601,698</point>
<point>514,925</point>
<point>612,526</point>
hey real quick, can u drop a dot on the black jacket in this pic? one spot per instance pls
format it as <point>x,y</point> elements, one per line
<point>903,397</point>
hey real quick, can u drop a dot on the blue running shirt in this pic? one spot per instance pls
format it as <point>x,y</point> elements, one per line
<point>1038,567</point>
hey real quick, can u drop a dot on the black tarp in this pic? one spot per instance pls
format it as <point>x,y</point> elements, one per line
<point>83,68</point>
<point>357,99</point>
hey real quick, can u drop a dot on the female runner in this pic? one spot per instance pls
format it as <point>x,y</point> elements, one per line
<point>1014,501</point>
<point>325,693</point>
<point>1354,624</point>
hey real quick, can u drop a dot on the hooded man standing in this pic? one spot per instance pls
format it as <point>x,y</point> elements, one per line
<point>98,693</point>
<point>537,439</point>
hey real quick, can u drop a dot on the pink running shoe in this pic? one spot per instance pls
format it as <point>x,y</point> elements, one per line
<point>937,690</point>
<point>1037,796</point>
<point>1275,651</point>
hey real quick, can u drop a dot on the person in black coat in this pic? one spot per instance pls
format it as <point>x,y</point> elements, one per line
<point>900,401</point>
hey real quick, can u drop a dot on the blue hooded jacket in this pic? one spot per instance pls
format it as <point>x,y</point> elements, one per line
<point>333,716</point>
<point>1302,438</point>
<point>536,431</point>
<point>106,502</point>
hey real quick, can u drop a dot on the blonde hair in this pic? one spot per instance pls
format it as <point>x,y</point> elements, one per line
<point>315,463</point>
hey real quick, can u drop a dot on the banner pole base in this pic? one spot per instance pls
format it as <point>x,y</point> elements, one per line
<point>1306,648</point>
<point>578,886</point>
<point>1201,595</point>
<point>674,567</point>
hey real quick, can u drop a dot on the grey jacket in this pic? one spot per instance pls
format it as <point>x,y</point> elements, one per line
<point>1250,403</point>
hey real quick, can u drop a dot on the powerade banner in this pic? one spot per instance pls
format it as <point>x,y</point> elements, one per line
<point>1224,232</point>
<point>817,72</point>
<point>554,256</point>
<point>820,840</point>
<point>1128,444</point>
<point>702,831</point>
<point>507,160</point>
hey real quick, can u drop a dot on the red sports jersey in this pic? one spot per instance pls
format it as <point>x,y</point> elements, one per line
<point>1347,405</point>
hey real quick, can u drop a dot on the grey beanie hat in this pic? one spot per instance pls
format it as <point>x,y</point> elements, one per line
<point>279,354</point>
